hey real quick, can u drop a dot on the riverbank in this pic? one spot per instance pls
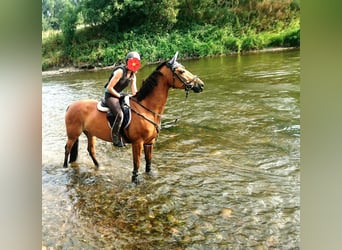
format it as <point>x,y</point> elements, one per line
<point>73,69</point>
<point>89,52</point>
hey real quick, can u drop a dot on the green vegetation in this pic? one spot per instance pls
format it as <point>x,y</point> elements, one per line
<point>195,28</point>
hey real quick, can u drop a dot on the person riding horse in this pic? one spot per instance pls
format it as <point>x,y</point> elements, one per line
<point>121,77</point>
<point>147,106</point>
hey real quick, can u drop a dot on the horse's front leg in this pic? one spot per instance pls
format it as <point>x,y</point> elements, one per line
<point>148,157</point>
<point>137,149</point>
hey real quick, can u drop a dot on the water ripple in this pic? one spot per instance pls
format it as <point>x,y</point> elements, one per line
<point>226,175</point>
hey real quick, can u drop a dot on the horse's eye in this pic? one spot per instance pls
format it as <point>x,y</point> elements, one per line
<point>181,71</point>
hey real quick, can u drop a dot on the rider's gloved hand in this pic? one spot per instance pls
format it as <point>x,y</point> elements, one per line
<point>122,96</point>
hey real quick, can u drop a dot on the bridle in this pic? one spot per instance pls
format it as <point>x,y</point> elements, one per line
<point>187,84</point>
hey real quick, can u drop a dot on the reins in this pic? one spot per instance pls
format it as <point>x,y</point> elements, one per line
<point>156,125</point>
<point>151,111</point>
<point>188,87</point>
<point>186,98</point>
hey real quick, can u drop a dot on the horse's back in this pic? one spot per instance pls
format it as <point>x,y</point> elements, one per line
<point>79,110</point>
<point>83,115</point>
<point>77,113</point>
<point>81,105</point>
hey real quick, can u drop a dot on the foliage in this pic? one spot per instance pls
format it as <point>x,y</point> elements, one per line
<point>68,27</point>
<point>53,12</point>
<point>159,15</point>
<point>96,12</point>
<point>195,28</point>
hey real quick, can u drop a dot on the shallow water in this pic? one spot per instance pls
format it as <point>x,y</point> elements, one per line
<point>226,174</point>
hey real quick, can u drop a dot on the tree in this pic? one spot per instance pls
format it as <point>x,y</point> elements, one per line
<point>53,12</point>
<point>202,12</point>
<point>160,15</point>
<point>96,12</point>
<point>68,26</point>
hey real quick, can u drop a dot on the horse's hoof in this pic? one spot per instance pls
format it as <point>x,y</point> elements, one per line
<point>135,180</point>
<point>150,174</point>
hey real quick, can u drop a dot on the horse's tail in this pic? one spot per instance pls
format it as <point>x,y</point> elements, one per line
<point>74,151</point>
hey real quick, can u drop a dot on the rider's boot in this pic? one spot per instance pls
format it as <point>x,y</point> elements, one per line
<point>117,141</point>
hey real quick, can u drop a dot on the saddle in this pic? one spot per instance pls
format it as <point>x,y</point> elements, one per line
<point>125,107</point>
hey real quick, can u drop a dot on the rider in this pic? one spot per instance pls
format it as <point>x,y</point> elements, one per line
<point>121,77</point>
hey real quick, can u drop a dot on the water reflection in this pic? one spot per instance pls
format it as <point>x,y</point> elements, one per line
<point>226,174</point>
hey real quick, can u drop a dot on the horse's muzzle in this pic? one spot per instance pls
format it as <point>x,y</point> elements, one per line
<point>198,86</point>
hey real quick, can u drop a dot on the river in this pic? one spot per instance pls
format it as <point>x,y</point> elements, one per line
<point>227,174</point>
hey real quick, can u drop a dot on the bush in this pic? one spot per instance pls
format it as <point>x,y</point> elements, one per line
<point>230,44</point>
<point>109,56</point>
<point>292,38</point>
<point>201,41</point>
<point>275,40</point>
<point>252,42</point>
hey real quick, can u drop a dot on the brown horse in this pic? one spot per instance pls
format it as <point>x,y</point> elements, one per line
<point>147,106</point>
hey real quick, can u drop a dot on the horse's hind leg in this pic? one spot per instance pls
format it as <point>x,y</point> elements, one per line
<point>71,147</point>
<point>66,155</point>
<point>91,148</point>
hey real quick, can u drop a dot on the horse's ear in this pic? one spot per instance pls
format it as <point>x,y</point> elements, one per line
<point>174,58</point>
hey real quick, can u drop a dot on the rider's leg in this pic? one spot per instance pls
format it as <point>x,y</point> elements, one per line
<point>114,105</point>
<point>116,137</point>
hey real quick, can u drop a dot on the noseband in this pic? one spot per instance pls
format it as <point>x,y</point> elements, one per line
<point>188,84</point>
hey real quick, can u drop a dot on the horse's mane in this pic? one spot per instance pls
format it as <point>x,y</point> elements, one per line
<point>149,84</point>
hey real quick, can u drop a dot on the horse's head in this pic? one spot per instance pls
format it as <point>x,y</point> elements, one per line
<point>182,78</point>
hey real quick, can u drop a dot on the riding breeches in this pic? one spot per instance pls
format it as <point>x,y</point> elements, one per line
<point>114,104</point>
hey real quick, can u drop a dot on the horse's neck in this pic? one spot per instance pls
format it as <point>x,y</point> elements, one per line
<point>156,100</point>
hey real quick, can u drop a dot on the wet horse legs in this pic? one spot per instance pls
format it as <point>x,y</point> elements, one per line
<point>136,149</point>
<point>71,148</point>
<point>148,157</point>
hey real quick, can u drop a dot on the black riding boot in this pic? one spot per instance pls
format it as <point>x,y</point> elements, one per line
<point>117,141</point>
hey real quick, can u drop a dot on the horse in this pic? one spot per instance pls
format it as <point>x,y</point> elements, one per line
<point>147,106</point>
